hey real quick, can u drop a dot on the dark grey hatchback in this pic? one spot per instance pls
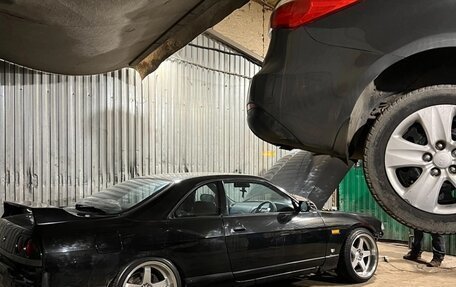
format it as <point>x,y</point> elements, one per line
<point>371,80</point>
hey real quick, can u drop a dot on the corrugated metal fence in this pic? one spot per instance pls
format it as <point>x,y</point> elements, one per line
<point>65,137</point>
<point>354,196</point>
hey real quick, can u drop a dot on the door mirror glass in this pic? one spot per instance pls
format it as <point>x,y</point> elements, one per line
<point>304,206</point>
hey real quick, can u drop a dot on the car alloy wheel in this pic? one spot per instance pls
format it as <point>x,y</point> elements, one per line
<point>410,159</point>
<point>358,257</point>
<point>363,255</point>
<point>151,274</point>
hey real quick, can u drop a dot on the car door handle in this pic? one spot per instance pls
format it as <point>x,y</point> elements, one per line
<point>240,228</point>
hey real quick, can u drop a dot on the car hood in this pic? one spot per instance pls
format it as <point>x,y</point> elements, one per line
<point>89,37</point>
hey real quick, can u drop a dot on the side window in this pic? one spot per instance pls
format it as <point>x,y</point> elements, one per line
<point>247,198</point>
<point>201,202</point>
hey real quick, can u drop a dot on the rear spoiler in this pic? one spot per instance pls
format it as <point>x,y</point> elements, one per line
<point>41,215</point>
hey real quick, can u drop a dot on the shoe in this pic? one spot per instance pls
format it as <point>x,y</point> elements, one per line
<point>435,262</point>
<point>412,256</point>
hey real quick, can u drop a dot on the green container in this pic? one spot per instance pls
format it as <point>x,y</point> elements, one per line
<point>354,196</point>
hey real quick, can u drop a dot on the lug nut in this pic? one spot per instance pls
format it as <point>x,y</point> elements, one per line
<point>453,153</point>
<point>427,157</point>
<point>440,145</point>
<point>452,169</point>
<point>435,172</point>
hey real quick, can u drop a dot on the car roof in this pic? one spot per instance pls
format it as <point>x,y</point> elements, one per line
<point>174,177</point>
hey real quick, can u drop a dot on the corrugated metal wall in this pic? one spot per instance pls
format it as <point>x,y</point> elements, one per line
<point>64,137</point>
<point>354,196</point>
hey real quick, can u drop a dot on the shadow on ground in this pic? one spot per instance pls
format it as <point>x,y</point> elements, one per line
<point>392,270</point>
<point>316,280</point>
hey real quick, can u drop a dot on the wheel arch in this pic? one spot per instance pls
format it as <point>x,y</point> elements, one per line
<point>393,77</point>
<point>362,226</point>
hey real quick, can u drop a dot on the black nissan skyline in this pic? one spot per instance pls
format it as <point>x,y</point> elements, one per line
<point>183,230</point>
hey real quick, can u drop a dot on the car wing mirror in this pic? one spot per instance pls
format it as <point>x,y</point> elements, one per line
<point>303,206</point>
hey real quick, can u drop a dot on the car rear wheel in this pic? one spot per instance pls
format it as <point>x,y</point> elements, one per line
<point>150,273</point>
<point>359,257</point>
<point>410,159</point>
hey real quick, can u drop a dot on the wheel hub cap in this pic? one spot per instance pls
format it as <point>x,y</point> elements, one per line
<point>420,159</point>
<point>360,254</point>
<point>442,159</point>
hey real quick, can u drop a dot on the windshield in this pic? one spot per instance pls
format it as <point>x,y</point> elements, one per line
<point>122,196</point>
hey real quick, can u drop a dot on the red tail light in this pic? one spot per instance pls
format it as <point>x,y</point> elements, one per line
<point>250,106</point>
<point>294,13</point>
<point>19,246</point>
<point>30,249</point>
<point>27,249</point>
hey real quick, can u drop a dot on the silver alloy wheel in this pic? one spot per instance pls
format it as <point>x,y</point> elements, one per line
<point>151,274</point>
<point>363,255</point>
<point>436,159</point>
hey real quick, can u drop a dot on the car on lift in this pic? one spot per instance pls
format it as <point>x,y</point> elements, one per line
<point>369,80</point>
<point>183,230</point>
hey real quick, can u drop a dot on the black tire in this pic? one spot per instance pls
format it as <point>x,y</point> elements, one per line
<point>392,119</point>
<point>164,269</point>
<point>344,268</point>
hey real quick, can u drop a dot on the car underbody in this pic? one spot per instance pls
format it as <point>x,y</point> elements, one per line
<point>90,37</point>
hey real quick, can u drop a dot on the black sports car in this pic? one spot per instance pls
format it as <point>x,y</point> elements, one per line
<point>183,230</point>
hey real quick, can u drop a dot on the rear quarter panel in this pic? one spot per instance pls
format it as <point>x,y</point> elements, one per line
<point>385,32</point>
<point>400,27</point>
<point>80,254</point>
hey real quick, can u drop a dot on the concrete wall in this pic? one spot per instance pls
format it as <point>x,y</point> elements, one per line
<point>248,27</point>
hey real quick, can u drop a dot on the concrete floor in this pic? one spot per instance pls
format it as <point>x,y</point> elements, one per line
<point>396,272</point>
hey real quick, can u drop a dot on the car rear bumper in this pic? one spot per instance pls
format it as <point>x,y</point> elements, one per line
<point>265,126</point>
<point>304,94</point>
<point>14,274</point>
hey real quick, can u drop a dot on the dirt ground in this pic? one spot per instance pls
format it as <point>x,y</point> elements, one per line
<point>392,271</point>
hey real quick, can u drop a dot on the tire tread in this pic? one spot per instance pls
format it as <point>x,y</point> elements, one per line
<point>388,111</point>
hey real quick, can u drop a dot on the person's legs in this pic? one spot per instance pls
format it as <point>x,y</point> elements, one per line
<point>438,250</point>
<point>417,241</point>
<point>438,246</point>
<point>415,253</point>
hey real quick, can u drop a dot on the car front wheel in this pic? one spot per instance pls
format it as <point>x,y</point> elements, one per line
<point>359,257</point>
<point>410,159</point>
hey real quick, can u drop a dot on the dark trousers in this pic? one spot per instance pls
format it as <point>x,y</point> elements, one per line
<point>438,244</point>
